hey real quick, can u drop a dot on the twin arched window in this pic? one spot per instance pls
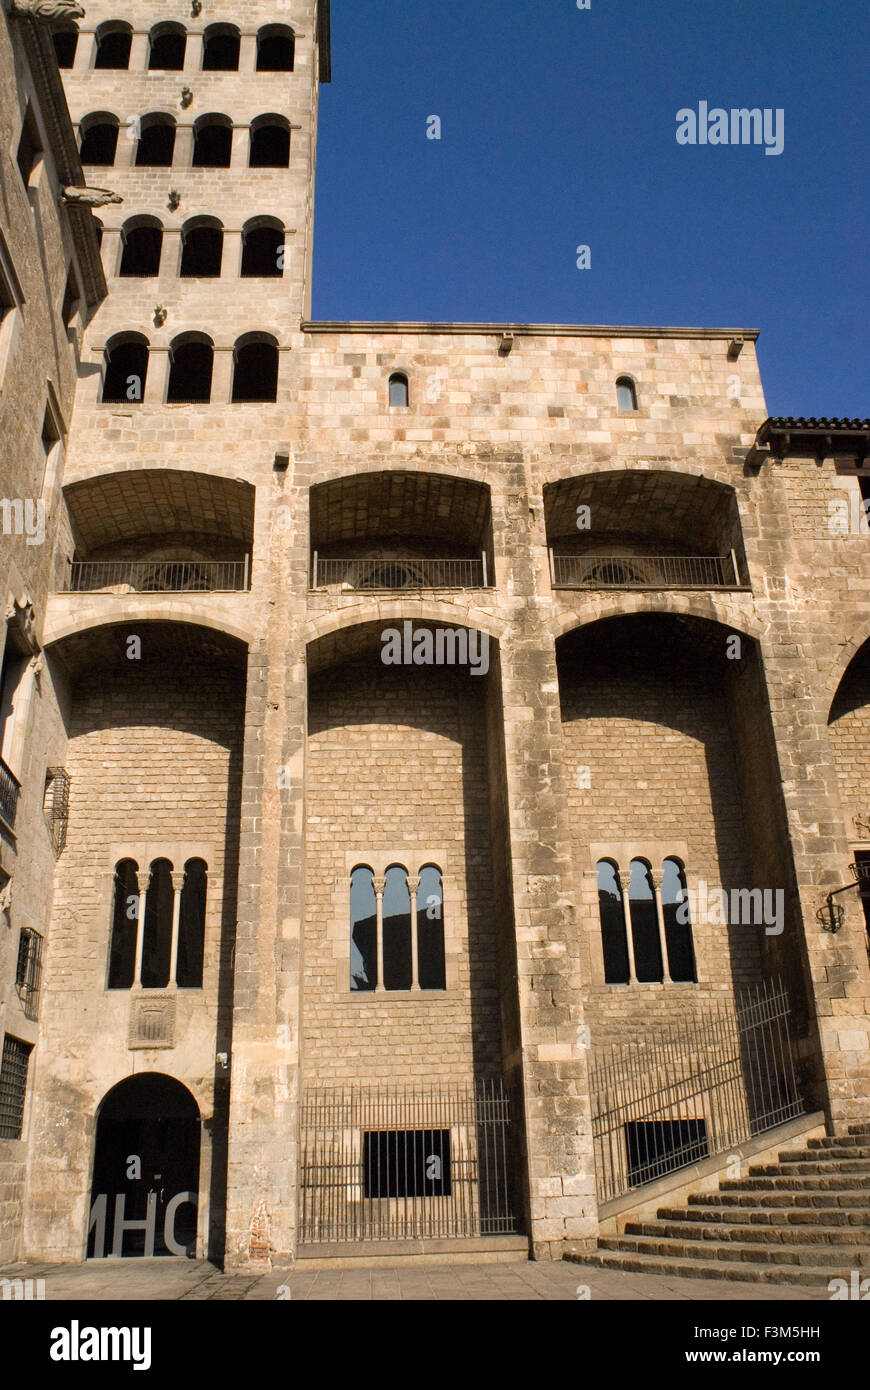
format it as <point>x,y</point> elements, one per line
<point>158,925</point>
<point>395,945</point>
<point>656,943</point>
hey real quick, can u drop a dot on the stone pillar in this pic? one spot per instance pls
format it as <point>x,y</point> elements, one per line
<point>140,929</point>
<point>629,937</point>
<point>379,882</point>
<point>248,53</point>
<point>178,878</point>
<point>656,881</point>
<point>139,51</point>
<point>413,882</point>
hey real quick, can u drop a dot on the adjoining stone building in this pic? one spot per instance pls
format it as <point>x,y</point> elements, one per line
<point>411,677</point>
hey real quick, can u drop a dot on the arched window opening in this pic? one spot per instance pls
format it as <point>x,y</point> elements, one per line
<point>677,923</point>
<point>113,46</point>
<point>125,369</point>
<point>255,377</point>
<point>202,249</point>
<point>191,926</point>
<point>125,918</point>
<point>399,389</point>
<point>275,49</point>
<point>397,929</point>
<point>99,142</point>
<point>66,42</point>
<point>645,938</point>
<point>167,46</point>
<point>220,51</point>
<point>190,371</point>
<point>143,245</point>
<point>263,250</point>
<point>431,969</point>
<point>614,939</point>
<point>156,145</point>
<point>157,927</point>
<point>626,394</point>
<point>363,929</point>
<point>212,143</point>
<point>270,143</point>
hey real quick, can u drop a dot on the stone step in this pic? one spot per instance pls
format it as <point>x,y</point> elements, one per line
<point>855,1153</point>
<point>860,1129</point>
<point>847,1200</point>
<point>793,1276</point>
<point>803,1182</point>
<point>843,1237</point>
<point>827,1217</point>
<point>801,1166</point>
<point>839,1141</point>
<point>727,1252</point>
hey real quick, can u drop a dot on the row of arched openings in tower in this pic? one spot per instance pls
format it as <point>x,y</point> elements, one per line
<point>268,145</point>
<point>202,247</point>
<point>652,942</point>
<point>167,47</point>
<point>410,954</point>
<point>161,940</point>
<point>191,368</point>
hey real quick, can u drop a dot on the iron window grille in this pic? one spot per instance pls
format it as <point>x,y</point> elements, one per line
<point>56,806</point>
<point>13,1085</point>
<point>28,973</point>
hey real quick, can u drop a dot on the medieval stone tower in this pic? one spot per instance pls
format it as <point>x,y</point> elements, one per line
<point>407,680</point>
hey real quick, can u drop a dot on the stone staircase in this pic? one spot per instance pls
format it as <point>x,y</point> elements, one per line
<point>803,1220</point>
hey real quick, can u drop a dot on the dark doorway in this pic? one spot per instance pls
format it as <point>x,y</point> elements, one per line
<point>146,1170</point>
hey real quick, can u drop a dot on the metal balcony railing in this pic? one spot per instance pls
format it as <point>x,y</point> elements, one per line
<point>158,576</point>
<point>373,574</point>
<point>644,571</point>
<point>10,788</point>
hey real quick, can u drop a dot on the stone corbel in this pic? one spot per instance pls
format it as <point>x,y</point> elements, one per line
<point>6,896</point>
<point>47,11</point>
<point>88,197</point>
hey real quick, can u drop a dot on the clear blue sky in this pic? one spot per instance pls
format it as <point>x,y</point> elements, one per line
<point>558,129</point>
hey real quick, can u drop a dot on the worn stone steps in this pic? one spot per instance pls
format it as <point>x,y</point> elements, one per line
<point>848,1199</point>
<point>828,1217</point>
<point>854,1154</point>
<point>794,1275</point>
<point>816,1256</point>
<point>800,1167</point>
<point>750,1234</point>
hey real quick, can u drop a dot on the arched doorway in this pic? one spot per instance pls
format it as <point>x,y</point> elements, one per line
<point>146,1170</point>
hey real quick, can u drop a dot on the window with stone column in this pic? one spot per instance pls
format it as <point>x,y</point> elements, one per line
<point>158,925</point>
<point>396,930</point>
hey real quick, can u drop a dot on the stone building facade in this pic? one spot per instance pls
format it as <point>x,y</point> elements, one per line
<point>314,902</point>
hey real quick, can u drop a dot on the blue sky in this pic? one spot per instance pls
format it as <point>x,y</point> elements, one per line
<point>559,129</point>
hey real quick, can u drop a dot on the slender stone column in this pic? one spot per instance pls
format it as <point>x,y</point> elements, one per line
<point>413,883</point>
<point>656,881</point>
<point>629,938</point>
<point>177,884</point>
<point>140,927</point>
<point>379,882</point>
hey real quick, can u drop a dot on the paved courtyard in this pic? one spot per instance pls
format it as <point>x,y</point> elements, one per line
<point>177,1280</point>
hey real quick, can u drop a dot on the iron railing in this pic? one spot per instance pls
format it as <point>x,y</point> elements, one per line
<point>56,805</point>
<point>10,788</point>
<point>644,571</point>
<point>695,1089</point>
<point>158,576</point>
<point>373,574</point>
<point>393,1163</point>
<point>28,973</point>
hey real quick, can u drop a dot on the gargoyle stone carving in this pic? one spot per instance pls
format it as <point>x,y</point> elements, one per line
<point>48,11</point>
<point>89,197</point>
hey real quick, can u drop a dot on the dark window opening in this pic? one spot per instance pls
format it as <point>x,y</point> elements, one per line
<point>398,389</point>
<point>65,42</point>
<point>406,1163</point>
<point>656,1147</point>
<point>263,252</point>
<point>191,926</point>
<point>431,969</point>
<point>113,49</point>
<point>157,927</point>
<point>125,917</point>
<point>221,51</point>
<point>99,144</point>
<point>644,925</point>
<point>142,250</point>
<point>29,146</point>
<point>202,251</point>
<point>626,394</point>
<point>256,373</point>
<point>190,373</point>
<point>13,1086</point>
<point>862,864</point>
<point>677,924</point>
<point>167,51</point>
<point>275,52</point>
<point>212,146</point>
<point>614,941</point>
<point>270,147</point>
<point>363,930</point>
<point>397,929</point>
<point>98,226</point>
<point>156,145</point>
<point>126,369</point>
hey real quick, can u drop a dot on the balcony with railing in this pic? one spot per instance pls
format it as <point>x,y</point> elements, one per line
<point>590,570</point>
<point>371,574</point>
<point>157,576</point>
<point>10,789</point>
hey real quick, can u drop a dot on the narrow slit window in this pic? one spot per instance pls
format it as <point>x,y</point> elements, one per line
<point>363,930</point>
<point>614,940</point>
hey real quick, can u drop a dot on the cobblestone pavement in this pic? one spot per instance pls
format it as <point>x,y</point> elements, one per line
<point>161,1280</point>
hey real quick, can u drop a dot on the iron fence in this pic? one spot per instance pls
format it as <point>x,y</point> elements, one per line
<point>644,571</point>
<point>373,574</point>
<point>392,1163</point>
<point>695,1089</point>
<point>10,788</point>
<point>158,576</point>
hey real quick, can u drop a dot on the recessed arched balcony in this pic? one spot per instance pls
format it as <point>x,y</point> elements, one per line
<point>639,529</point>
<point>159,531</point>
<point>383,532</point>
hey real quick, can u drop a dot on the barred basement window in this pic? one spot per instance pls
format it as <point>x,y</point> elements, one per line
<point>406,1163</point>
<point>13,1086</point>
<point>55,805</point>
<point>28,971</point>
<point>657,1147</point>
